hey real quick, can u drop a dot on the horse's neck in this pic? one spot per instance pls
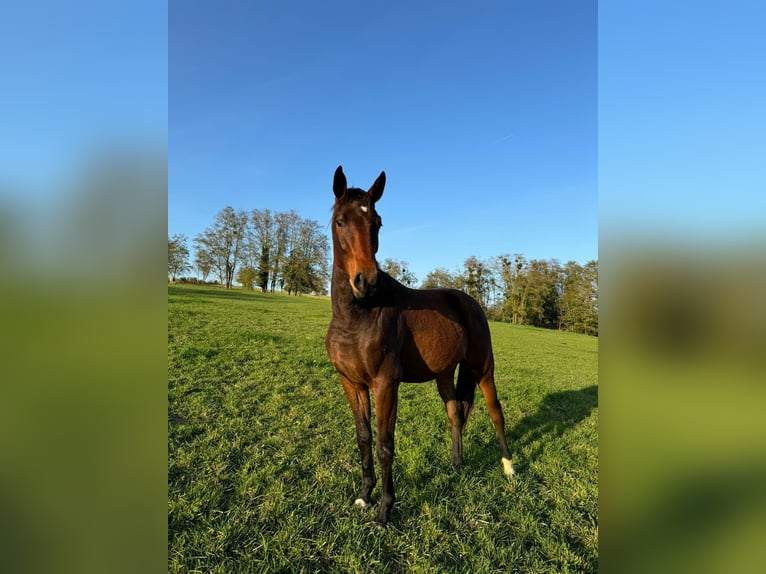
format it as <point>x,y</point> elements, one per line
<point>340,293</point>
<point>345,306</point>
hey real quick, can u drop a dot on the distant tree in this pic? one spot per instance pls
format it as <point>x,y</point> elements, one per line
<point>178,256</point>
<point>441,277</point>
<point>263,270</point>
<point>478,280</point>
<point>512,273</point>
<point>284,230</point>
<point>246,277</point>
<point>203,261</point>
<point>536,292</point>
<point>315,250</point>
<point>224,242</point>
<point>591,276</point>
<point>399,270</point>
<point>296,274</point>
<point>261,244</point>
<point>542,293</point>
<point>306,269</point>
<point>579,298</point>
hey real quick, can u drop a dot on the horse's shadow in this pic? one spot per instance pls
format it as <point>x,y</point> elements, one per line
<point>558,412</point>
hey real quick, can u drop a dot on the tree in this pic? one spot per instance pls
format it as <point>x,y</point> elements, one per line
<point>530,291</point>
<point>513,285</point>
<point>579,298</point>
<point>224,243</point>
<point>306,269</point>
<point>203,261</point>
<point>399,270</point>
<point>296,274</point>
<point>542,293</point>
<point>283,235</point>
<point>440,277</point>
<point>178,256</point>
<point>246,277</point>
<point>262,245</point>
<point>591,277</point>
<point>534,292</point>
<point>478,280</point>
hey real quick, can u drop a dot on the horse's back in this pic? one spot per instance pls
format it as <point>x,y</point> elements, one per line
<point>440,329</point>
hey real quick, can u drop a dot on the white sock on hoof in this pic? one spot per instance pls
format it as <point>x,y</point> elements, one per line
<point>361,503</point>
<point>508,467</point>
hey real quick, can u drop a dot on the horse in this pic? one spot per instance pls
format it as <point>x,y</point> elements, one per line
<point>383,333</point>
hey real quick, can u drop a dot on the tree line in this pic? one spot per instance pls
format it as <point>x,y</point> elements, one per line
<point>281,250</point>
<point>514,289</point>
<point>270,250</point>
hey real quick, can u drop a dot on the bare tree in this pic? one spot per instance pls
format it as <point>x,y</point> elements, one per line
<point>178,256</point>
<point>203,261</point>
<point>224,242</point>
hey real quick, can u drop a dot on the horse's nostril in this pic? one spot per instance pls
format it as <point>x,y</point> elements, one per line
<point>359,281</point>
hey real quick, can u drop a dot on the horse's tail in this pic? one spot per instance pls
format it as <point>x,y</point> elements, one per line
<point>465,390</point>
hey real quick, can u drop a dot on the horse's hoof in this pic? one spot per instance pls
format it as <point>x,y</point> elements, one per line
<point>362,504</point>
<point>379,525</point>
<point>508,468</point>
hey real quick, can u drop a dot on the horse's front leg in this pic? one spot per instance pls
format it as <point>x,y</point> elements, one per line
<point>386,398</point>
<point>359,399</point>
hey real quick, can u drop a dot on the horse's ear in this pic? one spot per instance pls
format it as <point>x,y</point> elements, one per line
<point>339,182</point>
<point>376,191</point>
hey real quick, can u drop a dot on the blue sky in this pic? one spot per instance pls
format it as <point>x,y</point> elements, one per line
<point>682,120</point>
<point>483,116</point>
<point>78,77</point>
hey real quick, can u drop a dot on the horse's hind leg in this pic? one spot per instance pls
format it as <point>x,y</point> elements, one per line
<point>488,389</point>
<point>445,384</point>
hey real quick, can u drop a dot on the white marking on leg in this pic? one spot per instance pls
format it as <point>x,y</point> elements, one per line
<point>361,503</point>
<point>508,467</point>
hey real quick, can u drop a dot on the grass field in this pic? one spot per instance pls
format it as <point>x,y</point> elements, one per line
<point>263,464</point>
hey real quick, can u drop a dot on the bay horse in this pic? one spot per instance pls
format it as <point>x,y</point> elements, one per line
<point>383,333</point>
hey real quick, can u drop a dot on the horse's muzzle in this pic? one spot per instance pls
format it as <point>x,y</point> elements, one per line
<point>364,287</point>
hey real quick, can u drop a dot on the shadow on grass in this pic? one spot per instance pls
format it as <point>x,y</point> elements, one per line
<point>235,294</point>
<point>219,293</point>
<point>559,412</point>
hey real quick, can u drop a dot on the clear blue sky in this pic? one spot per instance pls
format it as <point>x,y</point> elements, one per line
<point>682,120</point>
<point>78,77</point>
<point>482,114</point>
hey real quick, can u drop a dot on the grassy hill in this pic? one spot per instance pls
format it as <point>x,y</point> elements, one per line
<point>263,464</point>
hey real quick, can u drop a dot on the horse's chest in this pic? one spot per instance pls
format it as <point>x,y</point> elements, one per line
<point>357,356</point>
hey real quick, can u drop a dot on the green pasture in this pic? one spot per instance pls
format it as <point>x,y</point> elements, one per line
<point>263,464</point>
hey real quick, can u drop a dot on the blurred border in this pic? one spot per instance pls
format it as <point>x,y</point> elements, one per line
<point>682,248</point>
<point>83,219</point>
<point>82,230</point>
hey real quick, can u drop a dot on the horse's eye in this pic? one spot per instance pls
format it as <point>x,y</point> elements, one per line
<point>339,223</point>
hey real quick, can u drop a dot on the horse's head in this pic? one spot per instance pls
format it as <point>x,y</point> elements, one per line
<point>355,226</point>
